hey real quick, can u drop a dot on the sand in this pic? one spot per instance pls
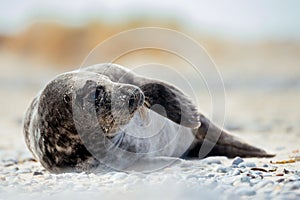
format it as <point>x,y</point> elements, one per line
<point>264,113</point>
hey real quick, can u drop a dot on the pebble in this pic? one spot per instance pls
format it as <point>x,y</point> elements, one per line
<point>280,180</point>
<point>294,178</point>
<point>37,173</point>
<point>9,162</point>
<point>280,174</point>
<point>48,176</point>
<point>258,172</point>
<point>265,165</point>
<point>229,180</point>
<point>267,175</point>
<point>236,172</point>
<point>245,179</point>
<point>247,164</point>
<point>237,161</point>
<point>24,171</point>
<point>222,169</point>
<point>295,186</point>
<point>250,164</point>
<point>255,181</point>
<point>211,160</point>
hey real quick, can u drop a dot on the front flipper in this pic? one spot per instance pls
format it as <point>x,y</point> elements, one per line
<point>176,105</point>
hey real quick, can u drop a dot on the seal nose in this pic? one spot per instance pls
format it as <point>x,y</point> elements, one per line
<point>136,99</point>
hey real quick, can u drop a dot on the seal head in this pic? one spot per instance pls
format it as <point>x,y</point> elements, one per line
<point>71,103</point>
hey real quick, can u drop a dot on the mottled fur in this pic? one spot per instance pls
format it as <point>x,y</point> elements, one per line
<point>52,123</point>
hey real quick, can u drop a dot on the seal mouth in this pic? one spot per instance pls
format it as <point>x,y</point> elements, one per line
<point>144,114</point>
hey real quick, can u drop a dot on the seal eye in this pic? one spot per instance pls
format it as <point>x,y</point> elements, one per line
<point>96,95</point>
<point>67,99</point>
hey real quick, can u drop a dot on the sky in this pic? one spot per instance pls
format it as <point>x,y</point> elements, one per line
<point>230,18</point>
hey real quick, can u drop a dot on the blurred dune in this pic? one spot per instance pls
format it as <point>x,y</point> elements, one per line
<point>60,44</point>
<point>66,46</point>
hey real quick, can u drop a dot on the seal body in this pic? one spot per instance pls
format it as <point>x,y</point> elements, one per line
<point>107,115</point>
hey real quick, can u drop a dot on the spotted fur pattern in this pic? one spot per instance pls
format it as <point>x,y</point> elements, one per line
<point>78,112</point>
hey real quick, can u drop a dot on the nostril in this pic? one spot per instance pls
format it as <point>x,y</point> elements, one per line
<point>139,97</point>
<point>131,101</point>
<point>136,99</point>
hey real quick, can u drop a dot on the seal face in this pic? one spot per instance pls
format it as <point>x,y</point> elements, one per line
<point>76,120</point>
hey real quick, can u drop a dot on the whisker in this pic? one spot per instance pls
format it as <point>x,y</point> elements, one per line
<point>117,140</point>
<point>143,113</point>
<point>147,104</point>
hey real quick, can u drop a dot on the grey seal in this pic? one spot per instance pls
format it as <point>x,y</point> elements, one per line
<point>107,115</point>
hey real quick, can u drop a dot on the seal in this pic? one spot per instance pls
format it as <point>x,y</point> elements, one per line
<point>106,115</point>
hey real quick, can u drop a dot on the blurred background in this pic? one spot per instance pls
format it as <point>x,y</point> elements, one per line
<point>255,44</point>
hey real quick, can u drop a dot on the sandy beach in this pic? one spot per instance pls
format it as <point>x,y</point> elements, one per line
<point>261,109</point>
